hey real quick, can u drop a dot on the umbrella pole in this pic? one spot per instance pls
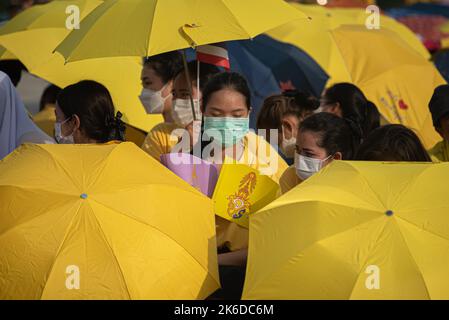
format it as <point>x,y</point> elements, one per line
<point>189,83</point>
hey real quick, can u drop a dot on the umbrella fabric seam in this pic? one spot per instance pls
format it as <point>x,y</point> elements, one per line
<point>60,248</point>
<point>158,230</point>
<point>111,251</point>
<point>281,265</point>
<point>413,259</point>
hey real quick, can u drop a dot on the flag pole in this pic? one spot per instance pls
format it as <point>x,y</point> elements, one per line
<point>189,83</point>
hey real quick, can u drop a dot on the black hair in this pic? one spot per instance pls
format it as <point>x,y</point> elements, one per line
<point>336,134</point>
<point>207,71</point>
<point>393,142</point>
<point>166,65</point>
<point>49,96</point>
<point>361,113</point>
<point>224,80</point>
<point>92,103</point>
<point>13,68</point>
<point>297,103</point>
<point>439,105</point>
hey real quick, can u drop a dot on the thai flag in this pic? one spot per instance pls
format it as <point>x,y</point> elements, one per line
<point>215,54</point>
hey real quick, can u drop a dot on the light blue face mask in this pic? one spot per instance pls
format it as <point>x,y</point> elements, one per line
<point>226,131</point>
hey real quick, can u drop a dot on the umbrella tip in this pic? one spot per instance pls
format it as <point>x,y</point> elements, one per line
<point>83,196</point>
<point>389,213</point>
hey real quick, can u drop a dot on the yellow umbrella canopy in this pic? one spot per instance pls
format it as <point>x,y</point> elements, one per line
<point>149,27</point>
<point>392,75</point>
<point>313,35</point>
<point>356,230</point>
<point>49,15</point>
<point>99,222</point>
<point>33,41</point>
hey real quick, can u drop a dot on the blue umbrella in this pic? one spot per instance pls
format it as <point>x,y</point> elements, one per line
<point>441,61</point>
<point>419,9</point>
<point>271,66</point>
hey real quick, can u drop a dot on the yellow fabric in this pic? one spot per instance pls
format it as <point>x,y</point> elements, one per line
<point>32,37</point>
<point>108,210</point>
<point>230,234</point>
<point>304,34</point>
<point>146,28</point>
<point>322,239</point>
<point>46,119</point>
<point>289,179</point>
<point>135,135</point>
<point>395,84</point>
<point>241,191</point>
<point>440,152</point>
<point>159,140</point>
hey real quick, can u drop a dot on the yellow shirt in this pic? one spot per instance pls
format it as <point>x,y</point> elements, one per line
<point>289,179</point>
<point>159,140</point>
<point>46,119</point>
<point>440,152</point>
<point>230,234</point>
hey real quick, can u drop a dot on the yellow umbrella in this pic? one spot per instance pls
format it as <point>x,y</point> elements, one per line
<point>313,36</point>
<point>149,27</point>
<point>356,230</point>
<point>33,41</point>
<point>99,222</point>
<point>392,75</point>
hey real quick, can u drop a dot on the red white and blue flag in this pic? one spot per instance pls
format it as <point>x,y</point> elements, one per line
<point>215,54</point>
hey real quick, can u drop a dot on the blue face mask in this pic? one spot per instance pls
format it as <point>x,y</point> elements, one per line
<point>226,131</point>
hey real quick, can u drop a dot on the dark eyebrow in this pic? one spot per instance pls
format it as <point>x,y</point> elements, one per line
<point>243,109</point>
<point>214,109</point>
<point>307,150</point>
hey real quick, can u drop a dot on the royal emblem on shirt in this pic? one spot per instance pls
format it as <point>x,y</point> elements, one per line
<point>238,203</point>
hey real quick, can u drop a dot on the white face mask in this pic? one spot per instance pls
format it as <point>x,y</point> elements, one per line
<point>153,100</point>
<point>288,146</point>
<point>307,167</point>
<point>58,134</point>
<point>182,111</point>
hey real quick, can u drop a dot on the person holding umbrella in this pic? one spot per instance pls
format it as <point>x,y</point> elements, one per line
<point>85,114</point>
<point>226,105</point>
<point>160,142</point>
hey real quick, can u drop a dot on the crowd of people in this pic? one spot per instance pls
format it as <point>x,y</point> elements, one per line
<point>303,133</point>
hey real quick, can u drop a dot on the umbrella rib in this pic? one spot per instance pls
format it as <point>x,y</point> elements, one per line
<point>364,264</point>
<point>158,230</point>
<point>22,223</point>
<point>236,19</point>
<point>112,252</point>
<point>147,47</point>
<point>413,259</point>
<point>281,265</point>
<point>60,248</point>
<point>425,230</point>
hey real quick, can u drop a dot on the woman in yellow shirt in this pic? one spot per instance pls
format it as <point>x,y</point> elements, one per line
<point>226,107</point>
<point>158,74</point>
<point>322,138</point>
<point>163,138</point>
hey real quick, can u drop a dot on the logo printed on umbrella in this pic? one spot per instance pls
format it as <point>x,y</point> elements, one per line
<point>372,282</point>
<point>239,203</point>
<point>73,279</point>
<point>73,20</point>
